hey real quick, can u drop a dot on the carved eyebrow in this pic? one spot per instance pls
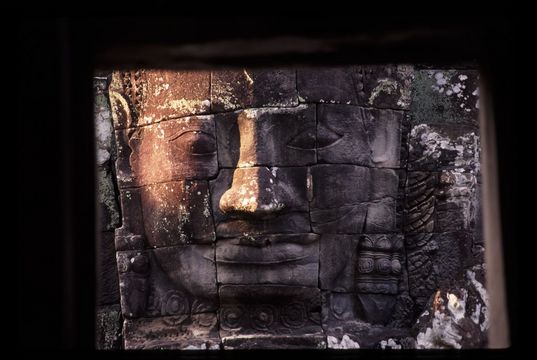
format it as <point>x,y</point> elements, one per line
<point>182,132</point>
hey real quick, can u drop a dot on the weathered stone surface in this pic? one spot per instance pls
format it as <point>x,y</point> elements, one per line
<point>341,135</point>
<point>456,316</point>
<point>383,129</point>
<point>457,202</point>
<point>445,97</point>
<point>269,259</point>
<point>337,267</point>
<point>189,269</point>
<point>239,89</point>
<point>330,85</point>
<point>274,342</point>
<point>338,185</point>
<point>108,210</point>
<point>346,309</point>
<point>181,332</point>
<point>104,130</point>
<point>435,260</point>
<point>345,219</point>
<point>167,281</point>
<point>420,202</point>
<point>258,316</point>
<point>176,149</point>
<point>130,236</point>
<point>108,334</point>
<point>133,267</point>
<point>355,135</point>
<point>107,279</point>
<point>388,86</point>
<point>443,147</point>
<point>270,137</point>
<point>381,216</point>
<point>124,171</point>
<point>177,213</point>
<point>256,199</point>
<point>148,96</point>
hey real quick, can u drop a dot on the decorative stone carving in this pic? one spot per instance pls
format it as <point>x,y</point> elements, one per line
<point>420,202</point>
<point>379,263</point>
<point>167,281</point>
<point>290,315</point>
<point>244,194</point>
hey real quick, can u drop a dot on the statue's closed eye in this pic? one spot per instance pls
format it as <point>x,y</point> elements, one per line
<point>195,142</point>
<point>306,140</point>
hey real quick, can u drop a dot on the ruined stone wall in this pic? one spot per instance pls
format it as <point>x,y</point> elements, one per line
<point>285,208</point>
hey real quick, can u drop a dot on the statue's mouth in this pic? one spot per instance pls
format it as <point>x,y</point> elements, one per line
<point>266,249</point>
<point>290,259</point>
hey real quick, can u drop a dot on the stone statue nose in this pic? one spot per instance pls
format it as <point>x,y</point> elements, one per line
<point>255,192</point>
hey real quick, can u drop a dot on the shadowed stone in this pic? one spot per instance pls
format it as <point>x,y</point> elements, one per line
<point>338,255</point>
<point>108,330</point>
<point>108,211</point>
<point>286,223</point>
<point>271,259</point>
<point>330,85</point>
<point>107,281</point>
<point>239,89</point>
<point>338,185</point>
<point>182,332</point>
<point>130,236</point>
<point>270,137</point>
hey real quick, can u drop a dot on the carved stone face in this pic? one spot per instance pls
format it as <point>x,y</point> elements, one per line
<point>257,211</point>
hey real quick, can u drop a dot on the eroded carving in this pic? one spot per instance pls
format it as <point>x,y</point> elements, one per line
<point>234,222</point>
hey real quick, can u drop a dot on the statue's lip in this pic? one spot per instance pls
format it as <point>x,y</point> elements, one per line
<point>267,249</point>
